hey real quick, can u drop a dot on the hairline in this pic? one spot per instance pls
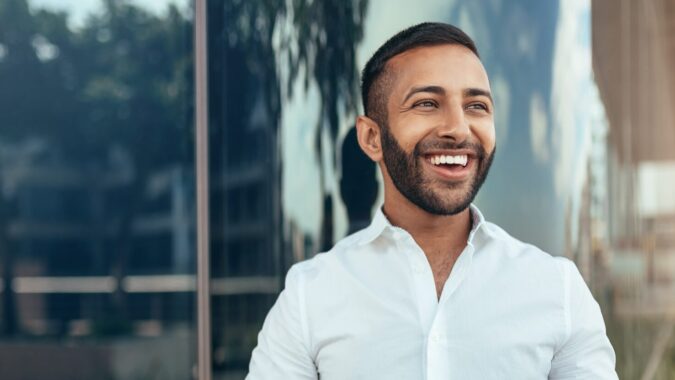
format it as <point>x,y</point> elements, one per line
<point>386,72</point>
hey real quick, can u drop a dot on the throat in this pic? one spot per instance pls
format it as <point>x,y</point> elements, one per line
<point>441,267</point>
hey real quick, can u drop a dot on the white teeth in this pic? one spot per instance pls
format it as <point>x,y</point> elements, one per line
<point>449,160</point>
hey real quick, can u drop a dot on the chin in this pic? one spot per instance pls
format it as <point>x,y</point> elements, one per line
<point>456,201</point>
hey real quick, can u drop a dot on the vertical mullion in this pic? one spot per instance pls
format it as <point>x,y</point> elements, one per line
<point>202,186</point>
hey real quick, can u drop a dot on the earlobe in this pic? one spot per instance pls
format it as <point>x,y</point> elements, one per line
<point>368,135</point>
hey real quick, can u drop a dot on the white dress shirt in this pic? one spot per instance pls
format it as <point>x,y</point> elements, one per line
<point>368,309</point>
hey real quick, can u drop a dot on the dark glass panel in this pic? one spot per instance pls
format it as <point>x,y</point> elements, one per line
<point>96,190</point>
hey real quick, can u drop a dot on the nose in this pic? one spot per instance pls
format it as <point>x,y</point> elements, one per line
<point>455,125</point>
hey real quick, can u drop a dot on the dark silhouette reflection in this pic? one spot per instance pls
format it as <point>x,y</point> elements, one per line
<point>358,183</point>
<point>328,33</point>
<point>250,80</point>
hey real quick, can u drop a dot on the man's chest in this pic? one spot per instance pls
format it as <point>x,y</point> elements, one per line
<point>493,337</point>
<point>441,270</point>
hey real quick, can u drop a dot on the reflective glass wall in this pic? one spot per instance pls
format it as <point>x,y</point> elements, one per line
<point>290,180</point>
<point>97,194</point>
<point>96,190</point>
<point>634,63</point>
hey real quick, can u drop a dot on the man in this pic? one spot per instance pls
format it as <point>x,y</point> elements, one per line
<point>430,290</point>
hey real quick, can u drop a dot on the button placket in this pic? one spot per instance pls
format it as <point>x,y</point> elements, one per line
<point>436,349</point>
<point>436,337</point>
<point>457,274</point>
<point>423,287</point>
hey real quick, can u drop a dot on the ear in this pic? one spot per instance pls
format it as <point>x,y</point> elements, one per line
<point>368,135</point>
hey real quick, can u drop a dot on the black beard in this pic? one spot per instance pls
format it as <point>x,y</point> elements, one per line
<point>407,174</point>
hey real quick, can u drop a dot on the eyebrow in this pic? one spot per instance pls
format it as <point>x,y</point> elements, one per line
<point>469,92</point>
<point>432,89</point>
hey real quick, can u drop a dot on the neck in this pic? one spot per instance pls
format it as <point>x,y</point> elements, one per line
<point>430,231</point>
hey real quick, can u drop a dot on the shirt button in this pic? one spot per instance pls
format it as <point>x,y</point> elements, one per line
<point>436,337</point>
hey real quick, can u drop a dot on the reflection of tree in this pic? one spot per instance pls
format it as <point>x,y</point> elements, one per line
<point>119,86</point>
<point>328,33</point>
<point>317,39</point>
<point>257,51</point>
<point>138,96</point>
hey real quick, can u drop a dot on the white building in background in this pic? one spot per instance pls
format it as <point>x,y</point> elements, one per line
<point>633,57</point>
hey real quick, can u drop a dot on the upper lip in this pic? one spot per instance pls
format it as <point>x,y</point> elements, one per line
<point>458,152</point>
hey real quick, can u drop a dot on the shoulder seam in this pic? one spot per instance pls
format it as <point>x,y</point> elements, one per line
<point>300,283</point>
<point>565,267</point>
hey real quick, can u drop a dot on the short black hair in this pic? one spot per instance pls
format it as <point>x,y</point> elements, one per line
<point>374,81</point>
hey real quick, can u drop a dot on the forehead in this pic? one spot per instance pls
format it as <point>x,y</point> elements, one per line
<point>453,67</point>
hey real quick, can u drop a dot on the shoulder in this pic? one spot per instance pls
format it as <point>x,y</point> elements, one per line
<point>503,254</point>
<point>500,242</point>
<point>348,248</point>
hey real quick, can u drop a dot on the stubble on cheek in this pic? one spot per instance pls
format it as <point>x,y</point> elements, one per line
<point>416,182</point>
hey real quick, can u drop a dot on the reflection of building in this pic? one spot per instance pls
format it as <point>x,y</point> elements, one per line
<point>633,60</point>
<point>633,57</point>
<point>64,231</point>
<point>247,266</point>
<point>589,249</point>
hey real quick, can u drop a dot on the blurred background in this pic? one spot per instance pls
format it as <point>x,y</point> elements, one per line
<point>97,169</point>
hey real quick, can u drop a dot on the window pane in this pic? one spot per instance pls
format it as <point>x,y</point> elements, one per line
<point>97,254</point>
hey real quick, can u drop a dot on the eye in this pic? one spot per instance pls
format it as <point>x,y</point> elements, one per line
<point>478,106</point>
<point>425,104</point>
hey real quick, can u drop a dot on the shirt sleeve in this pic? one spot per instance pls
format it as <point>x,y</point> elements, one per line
<point>282,351</point>
<point>585,352</point>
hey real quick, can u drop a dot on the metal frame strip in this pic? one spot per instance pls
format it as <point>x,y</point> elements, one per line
<point>202,178</point>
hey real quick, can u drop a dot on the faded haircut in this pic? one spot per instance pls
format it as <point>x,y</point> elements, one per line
<point>376,78</point>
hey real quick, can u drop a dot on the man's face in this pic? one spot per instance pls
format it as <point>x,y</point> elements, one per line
<point>439,140</point>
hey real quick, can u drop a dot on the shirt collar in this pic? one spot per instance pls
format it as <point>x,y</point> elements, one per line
<point>380,224</point>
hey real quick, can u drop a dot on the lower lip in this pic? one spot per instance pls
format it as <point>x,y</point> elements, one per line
<point>452,173</point>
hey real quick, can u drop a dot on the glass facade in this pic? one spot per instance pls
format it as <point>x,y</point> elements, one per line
<point>97,252</point>
<point>97,171</point>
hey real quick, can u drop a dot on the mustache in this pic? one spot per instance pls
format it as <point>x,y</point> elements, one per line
<point>425,146</point>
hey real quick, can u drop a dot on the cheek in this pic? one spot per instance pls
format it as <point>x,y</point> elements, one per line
<point>412,130</point>
<point>408,138</point>
<point>486,135</point>
<point>410,142</point>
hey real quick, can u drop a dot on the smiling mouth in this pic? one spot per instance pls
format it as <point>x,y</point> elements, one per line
<point>449,160</point>
<point>451,167</point>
